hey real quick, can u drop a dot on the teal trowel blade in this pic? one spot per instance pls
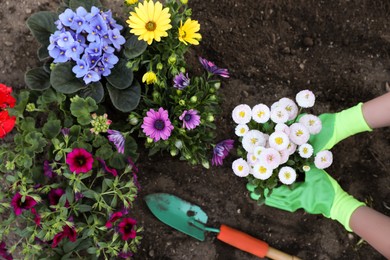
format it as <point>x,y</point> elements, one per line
<point>178,213</point>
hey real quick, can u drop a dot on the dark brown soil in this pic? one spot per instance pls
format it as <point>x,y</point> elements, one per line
<point>338,49</point>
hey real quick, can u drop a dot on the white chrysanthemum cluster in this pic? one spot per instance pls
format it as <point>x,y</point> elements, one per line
<point>275,138</point>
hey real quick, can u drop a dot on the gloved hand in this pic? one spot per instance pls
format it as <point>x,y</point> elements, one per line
<point>318,194</point>
<point>338,126</point>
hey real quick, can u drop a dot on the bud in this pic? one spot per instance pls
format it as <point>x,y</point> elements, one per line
<point>10,166</point>
<point>193,99</point>
<point>217,85</point>
<point>156,95</point>
<point>159,66</point>
<point>210,118</point>
<point>179,92</point>
<point>212,90</point>
<point>182,131</point>
<point>184,2</point>
<point>178,144</point>
<point>30,107</point>
<point>172,59</point>
<point>149,140</point>
<point>187,156</point>
<point>213,98</point>
<point>182,69</point>
<point>206,164</point>
<point>133,119</point>
<point>52,66</point>
<point>174,152</point>
<point>306,168</point>
<point>182,102</point>
<point>188,12</point>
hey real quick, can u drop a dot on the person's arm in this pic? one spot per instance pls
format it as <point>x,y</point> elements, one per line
<point>373,227</point>
<point>376,112</point>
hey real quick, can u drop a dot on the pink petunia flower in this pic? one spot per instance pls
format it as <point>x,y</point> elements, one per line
<point>67,232</point>
<point>157,125</point>
<point>127,228</point>
<point>20,205</point>
<point>79,160</point>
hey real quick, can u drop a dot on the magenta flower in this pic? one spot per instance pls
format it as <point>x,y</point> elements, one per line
<point>221,150</point>
<point>127,228</point>
<point>37,217</point>
<point>125,255</point>
<point>156,125</point>
<point>66,232</point>
<point>79,160</point>
<point>118,139</point>
<point>47,170</point>
<point>55,195</point>
<point>106,168</point>
<point>212,68</point>
<point>4,252</point>
<point>114,217</point>
<point>181,81</point>
<point>20,205</point>
<point>190,118</point>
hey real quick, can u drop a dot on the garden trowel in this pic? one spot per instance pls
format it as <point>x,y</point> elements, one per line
<point>191,220</point>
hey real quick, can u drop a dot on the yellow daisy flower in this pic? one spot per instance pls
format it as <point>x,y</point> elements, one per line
<point>150,21</point>
<point>131,2</point>
<point>188,32</point>
<point>149,77</point>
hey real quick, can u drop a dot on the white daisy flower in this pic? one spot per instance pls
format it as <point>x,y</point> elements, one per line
<point>291,148</point>
<point>278,140</point>
<point>312,122</point>
<point>306,168</point>
<point>257,151</point>
<point>270,158</point>
<point>242,114</point>
<point>284,155</point>
<point>299,134</point>
<point>290,106</point>
<point>305,150</point>
<point>279,115</point>
<point>260,113</point>
<point>261,171</point>
<point>323,159</point>
<point>241,129</point>
<point>274,105</point>
<point>287,175</point>
<point>252,139</point>
<point>282,128</point>
<point>240,167</point>
<point>251,158</point>
<point>305,98</point>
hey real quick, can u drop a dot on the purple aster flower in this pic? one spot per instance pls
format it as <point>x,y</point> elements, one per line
<point>221,150</point>
<point>20,205</point>
<point>4,252</point>
<point>118,139</point>
<point>181,81</point>
<point>212,68</point>
<point>116,38</point>
<point>157,125</point>
<point>66,17</point>
<point>190,118</point>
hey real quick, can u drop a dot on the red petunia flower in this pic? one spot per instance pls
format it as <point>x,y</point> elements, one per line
<point>127,228</point>
<point>4,252</point>
<point>79,160</point>
<point>7,123</point>
<point>20,205</point>
<point>67,232</point>
<point>6,100</point>
<point>55,196</point>
<point>114,217</point>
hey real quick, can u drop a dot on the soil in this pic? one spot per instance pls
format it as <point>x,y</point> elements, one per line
<point>273,49</point>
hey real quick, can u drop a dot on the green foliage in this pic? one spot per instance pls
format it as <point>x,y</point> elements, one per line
<point>82,108</point>
<point>127,99</point>
<point>42,25</point>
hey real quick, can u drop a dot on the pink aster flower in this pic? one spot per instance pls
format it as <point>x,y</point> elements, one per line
<point>20,205</point>
<point>270,158</point>
<point>323,159</point>
<point>221,150</point>
<point>127,228</point>
<point>190,119</point>
<point>117,139</point>
<point>157,125</point>
<point>79,160</point>
<point>213,69</point>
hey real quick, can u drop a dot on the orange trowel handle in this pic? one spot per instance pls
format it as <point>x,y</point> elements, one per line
<point>250,244</point>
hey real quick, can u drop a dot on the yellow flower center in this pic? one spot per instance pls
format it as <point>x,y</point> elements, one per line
<point>287,175</point>
<point>254,140</point>
<point>240,167</point>
<point>305,150</point>
<point>323,159</point>
<point>311,122</point>
<point>150,26</point>
<point>299,133</point>
<point>260,114</point>
<point>279,140</point>
<point>242,130</point>
<point>262,170</point>
<point>242,114</point>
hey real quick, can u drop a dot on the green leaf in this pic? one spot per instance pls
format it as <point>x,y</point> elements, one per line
<point>118,161</point>
<point>21,101</point>
<point>28,124</point>
<point>52,128</point>
<point>75,131</point>
<point>43,53</point>
<point>84,208</point>
<point>125,100</point>
<point>104,152</point>
<point>64,80</point>
<point>50,96</point>
<point>37,79</point>
<point>99,140</point>
<point>121,76</point>
<point>87,4</point>
<point>82,108</point>
<point>42,25</point>
<point>94,90</point>
<point>131,148</point>
<point>134,47</point>
<point>37,142</point>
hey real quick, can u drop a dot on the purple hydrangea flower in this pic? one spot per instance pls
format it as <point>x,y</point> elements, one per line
<point>212,68</point>
<point>118,139</point>
<point>190,119</point>
<point>181,81</point>
<point>221,150</point>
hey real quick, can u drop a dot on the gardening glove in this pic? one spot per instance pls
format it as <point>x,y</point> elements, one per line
<point>318,194</point>
<point>338,126</point>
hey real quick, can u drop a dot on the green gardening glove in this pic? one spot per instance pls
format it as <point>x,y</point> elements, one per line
<point>338,126</point>
<point>318,194</point>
